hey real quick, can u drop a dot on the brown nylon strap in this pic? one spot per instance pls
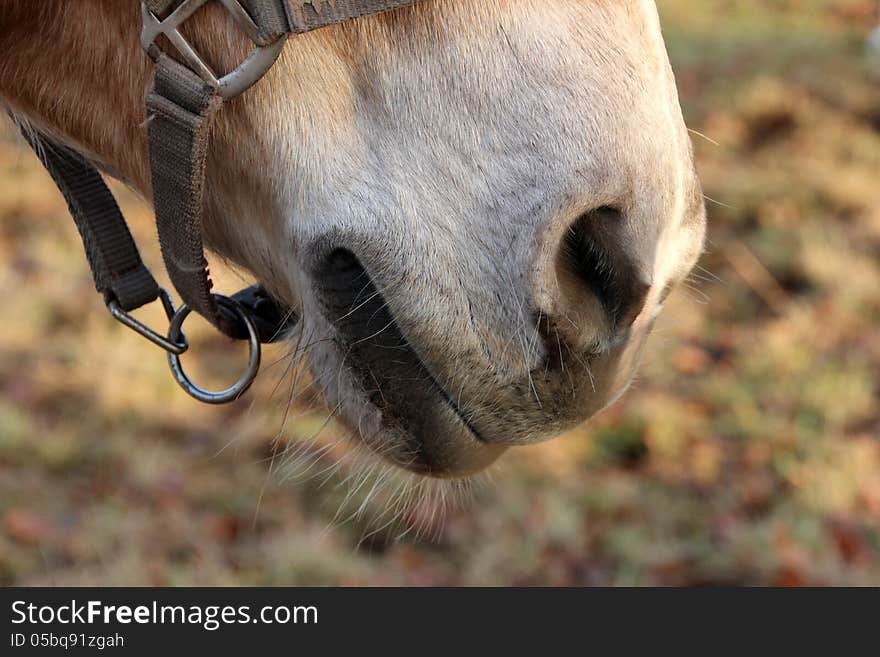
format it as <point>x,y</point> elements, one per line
<point>269,15</point>
<point>307,16</point>
<point>180,107</point>
<point>278,17</point>
<point>179,110</point>
<point>162,7</point>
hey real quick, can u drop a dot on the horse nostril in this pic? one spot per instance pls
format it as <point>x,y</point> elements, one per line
<point>594,253</point>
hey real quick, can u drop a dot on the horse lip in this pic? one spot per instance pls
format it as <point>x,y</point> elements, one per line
<point>447,398</point>
<point>447,445</point>
<point>443,396</point>
<point>389,373</point>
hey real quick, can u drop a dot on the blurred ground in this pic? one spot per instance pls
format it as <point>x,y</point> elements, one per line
<point>748,452</point>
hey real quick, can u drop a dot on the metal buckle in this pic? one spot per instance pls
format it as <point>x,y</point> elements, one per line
<point>230,85</point>
<point>177,346</point>
<point>232,393</point>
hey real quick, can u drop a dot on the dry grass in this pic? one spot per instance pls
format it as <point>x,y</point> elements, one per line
<point>748,453</point>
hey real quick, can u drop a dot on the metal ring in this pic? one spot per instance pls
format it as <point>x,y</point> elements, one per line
<point>240,386</point>
<point>229,85</point>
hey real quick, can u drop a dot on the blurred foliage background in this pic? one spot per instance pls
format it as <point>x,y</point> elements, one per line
<point>747,453</point>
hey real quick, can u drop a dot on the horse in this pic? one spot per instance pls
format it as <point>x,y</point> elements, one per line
<point>477,208</point>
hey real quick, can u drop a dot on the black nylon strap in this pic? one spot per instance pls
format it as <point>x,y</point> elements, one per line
<point>117,268</point>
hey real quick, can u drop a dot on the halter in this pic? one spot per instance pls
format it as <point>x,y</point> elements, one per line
<point>183,100</point>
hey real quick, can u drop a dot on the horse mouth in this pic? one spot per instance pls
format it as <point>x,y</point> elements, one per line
<point>384,387</point>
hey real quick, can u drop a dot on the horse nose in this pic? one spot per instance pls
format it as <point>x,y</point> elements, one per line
<point>601,278</point>
<point>455,366</point>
